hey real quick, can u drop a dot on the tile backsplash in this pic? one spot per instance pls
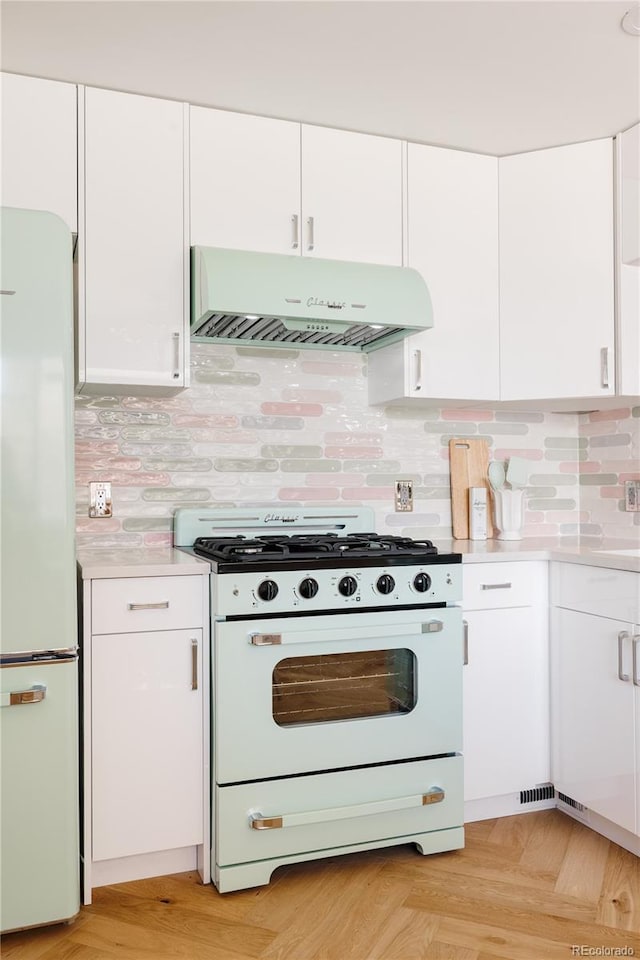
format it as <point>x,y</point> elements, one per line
<point>277,425</point>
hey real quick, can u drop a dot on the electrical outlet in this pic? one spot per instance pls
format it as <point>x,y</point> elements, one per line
<point>404,496</point>
<point>632,496</point>
<point>100,500</point>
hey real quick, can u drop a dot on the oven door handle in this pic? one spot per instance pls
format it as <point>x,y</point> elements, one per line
<point>258,822</point>
<point>346,633</point>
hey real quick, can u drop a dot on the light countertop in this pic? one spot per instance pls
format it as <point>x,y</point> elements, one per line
<point>102,563</point>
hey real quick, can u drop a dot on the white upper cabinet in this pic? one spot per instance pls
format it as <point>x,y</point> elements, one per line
<point>351,196</point>
<point>628,196</point>
<point>556,273</point>
<point>133,276</point>
<point>277,187</point>
<point>245,182</point>
<point>452,240</point>
<point>39,146</point>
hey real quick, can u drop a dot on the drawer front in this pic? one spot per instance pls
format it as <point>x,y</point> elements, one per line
<point>598,590</point>
<point>492,585</point>
<point>147,603</point>
<point>257,821</point>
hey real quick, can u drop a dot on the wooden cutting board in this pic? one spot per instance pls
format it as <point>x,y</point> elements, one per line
<point>469,460</point>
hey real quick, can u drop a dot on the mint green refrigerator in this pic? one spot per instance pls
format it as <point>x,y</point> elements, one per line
<point>39,786</point>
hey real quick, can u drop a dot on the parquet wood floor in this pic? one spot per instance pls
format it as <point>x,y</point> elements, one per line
<point>538,886</point>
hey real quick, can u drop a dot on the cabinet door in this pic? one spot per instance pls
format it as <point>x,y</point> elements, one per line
<point>39,146</point>
<point>135,247</point>
<point>506,702</point>
<point>453,242</point>
<point>245,181</point>
<point>628,195</point>
<point>556,272</point>
<point>146,742</point>
<point>593,715</point>
<point>351,196</point>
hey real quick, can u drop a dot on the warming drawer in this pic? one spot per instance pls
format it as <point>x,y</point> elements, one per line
<point>279,818</point>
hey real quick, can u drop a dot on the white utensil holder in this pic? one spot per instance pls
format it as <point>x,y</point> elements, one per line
<point>508,509</point>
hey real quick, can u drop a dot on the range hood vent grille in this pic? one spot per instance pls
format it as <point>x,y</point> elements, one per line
<point>241,297</point>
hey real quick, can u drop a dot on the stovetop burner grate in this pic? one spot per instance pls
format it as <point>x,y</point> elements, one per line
<point>279,547</point>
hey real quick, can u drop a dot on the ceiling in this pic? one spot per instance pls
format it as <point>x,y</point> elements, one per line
<point>491,76</point>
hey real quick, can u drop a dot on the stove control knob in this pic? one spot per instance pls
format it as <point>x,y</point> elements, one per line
<point>308,588</point>
<point>421,582</point>
<point>268,590</point>
<point>385,583</point>
<point>348,586</point>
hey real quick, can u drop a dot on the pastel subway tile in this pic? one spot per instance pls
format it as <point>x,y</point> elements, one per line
<point>430,493</point>
<point>611,440</point>
<point>569,516</point>
<point>156,449</point>
<point>541,530</point>
<point>131,417</point>
<point>589,466</point>
<point>209,450</point>
<point>201,361</point>
<point>628,476</point>
<point>181,402</point>
<point>335,369</point>
<point>388,479</point>
<point>97,433</point>
<point>427,522</point>
<point>598,428</point>
<point>372,466</point>
<point>121,477</point>
<point>246,465</point>
<point>565,443</point>
<point>224,436</point>
<point>616,493</point>
<point>271,409</point>
<point>510,429</point>
<point>335,479</point>
<point>589,530</point>
<point>144,524</point>
<point>279,451</point>
<point>346,453</point>
<point>618,466</point>
<point>436,479</point>
<point>267,353</point>
<point>516,416</point>
<point>272,423</point>
<point>621,414</point>
<point>355,437</point>
<point>563,454</point>
<point>477,415</point>
<point>107,463</point>
<point>303,395</point>
<point>598,479</point>
<point>229,378</point>
<point>368,493</point>
<point>557,479</point>
<point>176,494</point>
<point>540,492</point>
<point>531,516</point>
<point>410,413</point>
<point>202,421</point>
<point>635,412</point>
<point>97,403</point>
<point>154,434</point>
<point>506,452</point>
<point>307,494</point>
<point>306,466</point>
<point>91,448</point>
<point>158,539</point>
<point>85,416</point>
<point>177,463</point>
<point>102,525</point>
<point>457,429</point>
<point>460,435</point>
<point>551,504</point>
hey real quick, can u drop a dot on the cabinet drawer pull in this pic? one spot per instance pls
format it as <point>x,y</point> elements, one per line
<point>14,698</point>
<point>194,664</point>
<point>465,627</point>
<point>495,586</point>
<point>311,242</point>
<point>295,226</point>
<point>604,367</point>
<point>622,636</point>
<point>418,356</point>
<point>162,605</point>
<point>329,814</point>
<point>176,356</point>
<point>635,659</point>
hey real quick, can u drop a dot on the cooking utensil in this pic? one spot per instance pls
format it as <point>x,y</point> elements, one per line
<point>518,472</point>
<point>496,475</point>
<point>469,462</point>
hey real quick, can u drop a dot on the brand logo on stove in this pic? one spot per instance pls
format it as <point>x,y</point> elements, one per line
<point>280,518</point>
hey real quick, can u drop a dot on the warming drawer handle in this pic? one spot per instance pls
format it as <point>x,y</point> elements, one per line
<point>495,586</point>
<point>34,694</point>
<point>265,639</point>
<point>622,636</point>
<point>258,822</point>
<point>635,641</point>
<point>162,605</point>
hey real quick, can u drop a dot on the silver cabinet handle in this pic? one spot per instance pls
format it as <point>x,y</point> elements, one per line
<point>622,636</point>
<point>194,664</point>
<point>295,225</point>
<point>495,586</point>
<point>162,605</point>
<point>418,356</point>
<point>310,225</point>
<point>265,639</point>
<point>604,367</point>
<point>258,822</point>
<point>465,658</point>
<point>14,698</point>
<point>176,355</point>
<point>635,641</point>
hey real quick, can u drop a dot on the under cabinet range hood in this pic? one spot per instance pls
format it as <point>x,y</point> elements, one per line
<point>241,297</point>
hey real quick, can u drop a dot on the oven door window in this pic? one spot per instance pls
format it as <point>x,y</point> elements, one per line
<point>343,686</point>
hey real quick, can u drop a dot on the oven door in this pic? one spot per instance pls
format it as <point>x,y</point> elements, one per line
<point>301,694</point>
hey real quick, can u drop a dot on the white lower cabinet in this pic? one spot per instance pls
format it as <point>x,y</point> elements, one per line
<point>506,683</point>
<point>595,696</point>
<point>146,739</point>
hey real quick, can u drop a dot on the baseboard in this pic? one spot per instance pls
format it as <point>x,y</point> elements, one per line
<point>160,863</point>
<point>506,805</point>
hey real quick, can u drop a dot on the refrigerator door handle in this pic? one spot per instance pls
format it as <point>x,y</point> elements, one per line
<point>34,694</point>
